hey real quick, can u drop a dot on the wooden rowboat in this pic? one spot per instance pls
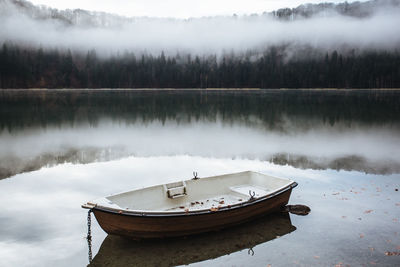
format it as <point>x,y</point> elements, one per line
<point>191,206</point>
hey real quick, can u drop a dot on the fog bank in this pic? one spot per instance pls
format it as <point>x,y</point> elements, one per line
<point>214,35</point>
<point>371,149</point>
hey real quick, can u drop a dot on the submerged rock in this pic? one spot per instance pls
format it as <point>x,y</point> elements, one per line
<point>297,209</point>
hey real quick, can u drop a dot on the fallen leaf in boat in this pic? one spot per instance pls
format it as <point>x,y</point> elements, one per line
<point>120,211</point>
<point>186,210</point>
<point>181,207</point>
<point>198,202</point>
<point>221,202</point>
<point>239,199</point>
<point>368,211</point>
<point>361,235</point>
<point>214,209</point>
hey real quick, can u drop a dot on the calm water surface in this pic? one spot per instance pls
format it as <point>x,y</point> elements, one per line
<point>59,149</point>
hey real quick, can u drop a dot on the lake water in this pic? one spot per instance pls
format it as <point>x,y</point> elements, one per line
<point>59,149</point>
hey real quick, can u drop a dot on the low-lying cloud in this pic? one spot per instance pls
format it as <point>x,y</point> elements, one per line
<point>215,35</point>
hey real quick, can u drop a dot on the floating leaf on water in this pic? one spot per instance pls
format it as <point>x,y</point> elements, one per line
<point>368,211</point>
<point>390,253</point>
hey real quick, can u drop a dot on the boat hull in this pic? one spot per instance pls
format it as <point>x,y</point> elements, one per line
<point>159,226</point>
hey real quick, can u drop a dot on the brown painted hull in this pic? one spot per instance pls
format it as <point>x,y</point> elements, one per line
<point>116,251</point>
<point>158,226</point>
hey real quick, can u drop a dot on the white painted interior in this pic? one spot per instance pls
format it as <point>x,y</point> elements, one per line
<point>201,194</point>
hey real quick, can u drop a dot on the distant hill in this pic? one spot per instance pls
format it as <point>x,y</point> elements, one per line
<point>84,18</point>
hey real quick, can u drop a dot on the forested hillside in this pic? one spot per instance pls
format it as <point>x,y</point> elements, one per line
<point>48,48</point>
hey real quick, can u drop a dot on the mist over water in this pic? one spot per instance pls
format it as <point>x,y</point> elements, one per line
<point>283,127</point>
<point>204,139</point>
<point>326,31</point>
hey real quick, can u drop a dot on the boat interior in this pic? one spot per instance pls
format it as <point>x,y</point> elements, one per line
<point>211,193</point>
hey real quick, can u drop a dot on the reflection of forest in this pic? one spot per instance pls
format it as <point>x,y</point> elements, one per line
<point>278,110</point>
<point>10,165</point>
<point>23,108</point>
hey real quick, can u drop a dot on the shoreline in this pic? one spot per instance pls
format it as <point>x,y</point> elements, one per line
<point>191,89</point>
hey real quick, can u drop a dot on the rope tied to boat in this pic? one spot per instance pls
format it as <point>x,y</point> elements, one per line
<point>89,235</point>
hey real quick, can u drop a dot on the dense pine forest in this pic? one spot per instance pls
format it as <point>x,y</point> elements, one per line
<point>136,52</point>
<point>38,68</point>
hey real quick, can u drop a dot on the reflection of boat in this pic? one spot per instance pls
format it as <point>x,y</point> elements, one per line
<point>116,251</point>
<point>191,206</point>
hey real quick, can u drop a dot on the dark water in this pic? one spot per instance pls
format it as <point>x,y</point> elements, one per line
<point>60,149</point>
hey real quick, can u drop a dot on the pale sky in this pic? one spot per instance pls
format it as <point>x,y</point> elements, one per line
<point>177,8</point>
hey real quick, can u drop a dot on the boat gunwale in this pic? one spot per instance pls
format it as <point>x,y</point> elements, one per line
<point>141,213</point>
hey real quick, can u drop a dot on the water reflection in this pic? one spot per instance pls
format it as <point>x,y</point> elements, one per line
<point>117,251</point>
<point>319,129</point>
<point>21,109</point>
<point>42,224</point>
<point>368,149</point>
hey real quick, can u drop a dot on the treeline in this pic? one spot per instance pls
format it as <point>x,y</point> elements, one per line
<point>38,68</point>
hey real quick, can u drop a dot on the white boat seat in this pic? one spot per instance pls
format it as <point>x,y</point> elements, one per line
<point>175,190</point>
